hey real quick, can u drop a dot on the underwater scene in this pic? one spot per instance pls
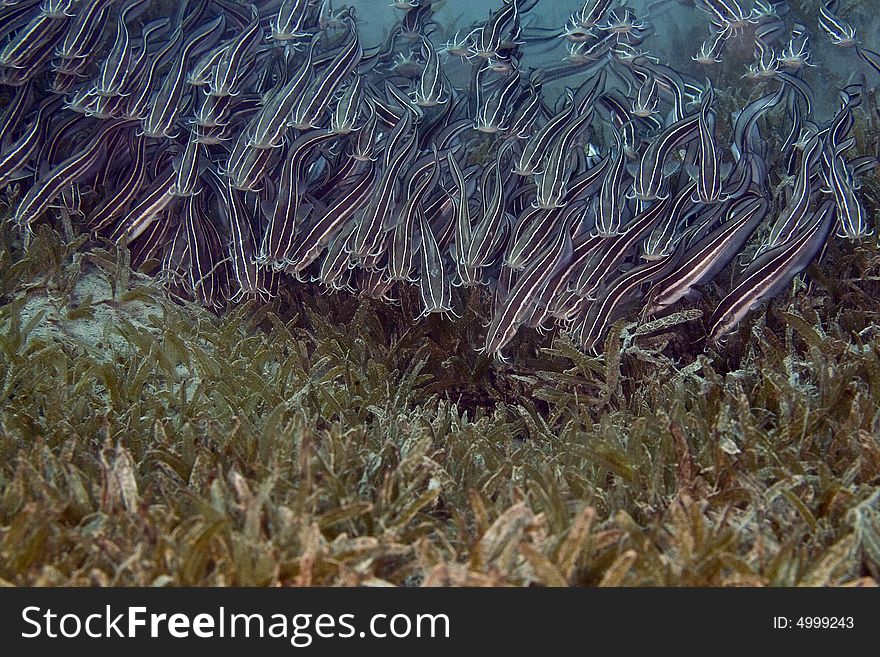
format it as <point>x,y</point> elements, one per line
<point>439,293</point>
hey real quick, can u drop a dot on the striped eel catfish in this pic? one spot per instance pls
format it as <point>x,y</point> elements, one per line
<point>703,259</point>
<point>771,272</point>
<point>75,168</point>
<point>567,173</point>
<point>605,310</point>
<point>518,304</point>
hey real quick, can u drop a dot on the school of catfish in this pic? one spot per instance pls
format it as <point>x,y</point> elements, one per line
<point>252,146</point>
